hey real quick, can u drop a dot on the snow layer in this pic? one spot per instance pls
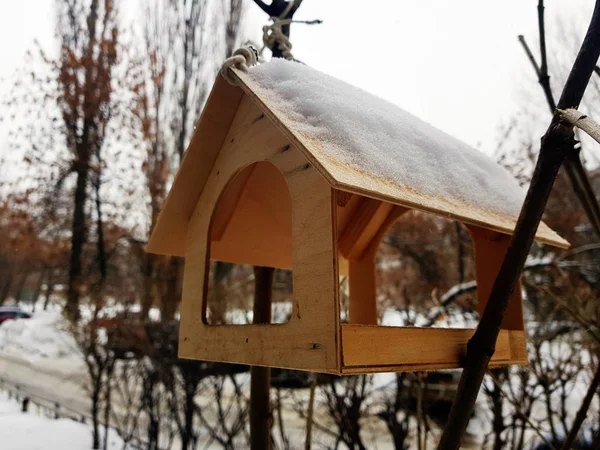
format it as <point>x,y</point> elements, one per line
<point>374,136</point>
<point>42,336</point>
<point>28,431</point>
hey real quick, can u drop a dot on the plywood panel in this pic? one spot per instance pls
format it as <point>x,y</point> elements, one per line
<point>363,292</point>
<point>366,347</point>
<point>362,227</point>
<point>228,202</point>
<point>362,274</point>
<point>357,370</point>
<point>310,340</point>
<point>490,249</point>
<point>255,223</point>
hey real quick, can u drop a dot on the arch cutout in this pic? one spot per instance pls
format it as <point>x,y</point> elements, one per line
<point>425,273</point>
<point>367,346</point>
<point>251,225</point>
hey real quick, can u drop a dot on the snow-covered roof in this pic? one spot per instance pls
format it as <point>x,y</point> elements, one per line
<point>368,146</point>
<point>374,137</point>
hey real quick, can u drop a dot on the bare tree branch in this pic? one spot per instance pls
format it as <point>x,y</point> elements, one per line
<point>582,412</point>
<point>573,166</point>
<point>557,143</point>
<point>529,55</point>
<point>262,5</point>
<point>544,77</point>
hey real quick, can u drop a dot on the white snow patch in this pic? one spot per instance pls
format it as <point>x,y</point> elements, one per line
<point>28,431</point>
<point>449,318</point>
<point>44,335</point>
<point>377,137</point>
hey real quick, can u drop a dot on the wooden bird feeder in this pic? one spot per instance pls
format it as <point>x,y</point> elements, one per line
<point>258,187</point>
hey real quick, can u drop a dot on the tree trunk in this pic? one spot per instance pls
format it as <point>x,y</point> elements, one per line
<point>78,238</point>
<point>6,286</point>
<point>49,289</point>
<point>582,412</point>
<point>101,251</point>
<point>218,307</point>
<point>310,412</point>
<point>187,439</point>
<point>171,295</point>
<point>260,379</point>
<point>20,285</point>
<point>107,404</point>
<point>96,388</point>
<point>498,409</point>
<point>148,281</point>
<point>38,290</point>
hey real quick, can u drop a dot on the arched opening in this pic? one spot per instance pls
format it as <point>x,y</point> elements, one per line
<point>402,267</point>
<point>251,225</point>
<point>425,273</point>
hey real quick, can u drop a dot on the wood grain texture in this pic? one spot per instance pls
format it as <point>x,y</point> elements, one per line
<point>256,223</point>
<point>309,341</point>
<point>490,250</point>
<point>229,201</point>
<point>363,291</point>
<point>371,348</point>
<point>362,227</point>
<point>361,257</point>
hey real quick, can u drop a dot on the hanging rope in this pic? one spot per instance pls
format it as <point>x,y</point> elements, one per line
<point>273,37</point>
<point>273,34</point>
<point>242,58</point>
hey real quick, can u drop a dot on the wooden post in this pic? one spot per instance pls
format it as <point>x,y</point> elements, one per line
<point>490,250</point>
<point>361,253</point>
<point>260,377</point>
<point>363,289</point>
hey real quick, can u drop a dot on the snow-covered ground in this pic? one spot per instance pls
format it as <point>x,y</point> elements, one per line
<point>40,355</point>
<point>32,431</point>
<point>43,336</point>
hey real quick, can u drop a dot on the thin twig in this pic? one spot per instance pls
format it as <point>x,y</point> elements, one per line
<point>529,55</point>
<point>310,412</point>
<point>517,407</point>
<point>573,166</point>
<point>582,412</point>
<point>542,31</point>
<point>588,326</point>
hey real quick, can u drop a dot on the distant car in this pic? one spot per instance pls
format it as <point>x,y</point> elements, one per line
<point>11,313</point>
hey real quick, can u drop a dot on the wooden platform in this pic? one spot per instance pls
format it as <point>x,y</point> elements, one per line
<point>367,348</point>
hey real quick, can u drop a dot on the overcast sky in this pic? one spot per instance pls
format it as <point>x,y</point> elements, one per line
<point>456,64</point>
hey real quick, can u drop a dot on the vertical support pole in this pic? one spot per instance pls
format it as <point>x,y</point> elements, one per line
<point>260,377</point>
<point>362,274</point>
<point>490,249</point>
<point>363,301</point>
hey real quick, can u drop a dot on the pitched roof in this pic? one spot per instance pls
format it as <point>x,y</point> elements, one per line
<point>359,143</point>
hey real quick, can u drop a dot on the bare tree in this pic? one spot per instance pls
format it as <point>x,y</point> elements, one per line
<point>88,34</point>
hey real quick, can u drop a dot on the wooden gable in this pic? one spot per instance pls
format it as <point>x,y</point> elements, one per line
<point>169,235</point>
